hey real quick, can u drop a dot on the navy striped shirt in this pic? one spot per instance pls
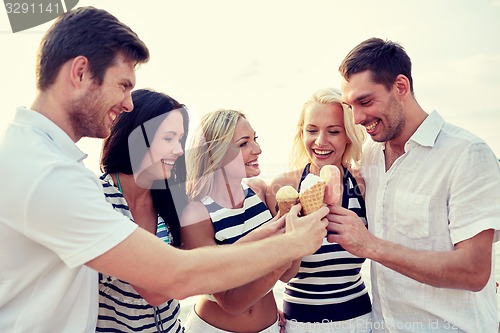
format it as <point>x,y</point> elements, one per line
<point>230,224</point>
<point>329,286</point>
<point>121,308</point>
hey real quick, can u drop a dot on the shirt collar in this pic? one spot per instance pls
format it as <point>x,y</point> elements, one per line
<point>427,133</point>
<point>61,139</point>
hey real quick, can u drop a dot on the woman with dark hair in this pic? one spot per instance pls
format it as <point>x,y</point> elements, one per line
<point>144,178</point>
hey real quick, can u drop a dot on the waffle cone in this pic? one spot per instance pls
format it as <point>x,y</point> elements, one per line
<point>312,198</point>
<point>285,205</point>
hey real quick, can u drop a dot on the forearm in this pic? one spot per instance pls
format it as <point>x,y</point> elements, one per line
<point>292,271</point>
<point>456,269</point>
<point>238,300</point>
<point>214,269</point>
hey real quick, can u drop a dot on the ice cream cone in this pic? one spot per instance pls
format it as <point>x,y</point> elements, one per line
<point>312,198</point>
<point>285,205</point>
<point>286,197</point>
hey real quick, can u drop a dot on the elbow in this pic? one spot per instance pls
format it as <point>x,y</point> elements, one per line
<point>234,310</point>
<point>156,301</point>
<point>479,283</point>
<point>478,279</point>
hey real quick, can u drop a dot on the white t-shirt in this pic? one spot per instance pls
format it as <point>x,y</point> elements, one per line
<point>53,219</point>
<point>444,189</point>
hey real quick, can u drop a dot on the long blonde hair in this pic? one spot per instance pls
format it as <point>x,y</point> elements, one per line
<point>207,150</point>
<point>355,133</point>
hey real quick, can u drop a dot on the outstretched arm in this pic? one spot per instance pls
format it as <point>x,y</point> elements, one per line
<point>144,260</point>
<point>467,266</point>
<point>236,300</point>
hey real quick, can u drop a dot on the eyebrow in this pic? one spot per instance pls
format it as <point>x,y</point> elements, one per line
<point>246,137</point>
<point>171,132</point>
<point>329,126</point>
<point>362,97</point>
<point>128,83</point>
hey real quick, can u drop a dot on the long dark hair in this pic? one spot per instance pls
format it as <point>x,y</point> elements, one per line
<point>169,196</point>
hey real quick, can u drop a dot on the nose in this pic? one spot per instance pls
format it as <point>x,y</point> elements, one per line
<point>127,103</point>
<point>358,116</point>
<point>256,150</point>
<point>178,151</point>
<point>321,138</point>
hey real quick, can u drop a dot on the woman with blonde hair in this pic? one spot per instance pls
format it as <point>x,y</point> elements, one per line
<point>224,209</point>
<point>327,288</point>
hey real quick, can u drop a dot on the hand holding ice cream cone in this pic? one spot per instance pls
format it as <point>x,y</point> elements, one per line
<point>333,191</point>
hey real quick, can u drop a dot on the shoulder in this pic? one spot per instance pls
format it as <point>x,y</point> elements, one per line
<point>291,178</point>
<point>256,184</point>
<point>194,212</point>
<point>259,186</point>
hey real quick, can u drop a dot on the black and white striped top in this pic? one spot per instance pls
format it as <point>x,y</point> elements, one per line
<point>121,308</point>
<point>328,286</point>
<point>232,224</point>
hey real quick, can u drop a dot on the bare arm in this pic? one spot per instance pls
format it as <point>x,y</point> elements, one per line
<point>236,300</point>
<point>467,266</point>
<point>147,262</point>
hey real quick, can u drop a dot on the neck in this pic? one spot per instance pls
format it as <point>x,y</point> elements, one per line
<point>51,104</point>
<point>129,188</point>
<point>414,117</point>
<point>315,170</point>
<point>227,191</point>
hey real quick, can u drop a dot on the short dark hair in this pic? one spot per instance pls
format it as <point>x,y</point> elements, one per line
<point>383,58</point>
<point>116,157</point>
<point>90,32</point>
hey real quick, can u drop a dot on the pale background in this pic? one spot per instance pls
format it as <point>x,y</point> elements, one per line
<point>266,57</point>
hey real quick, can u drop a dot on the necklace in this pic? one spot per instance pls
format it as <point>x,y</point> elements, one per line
<point>118,183</point>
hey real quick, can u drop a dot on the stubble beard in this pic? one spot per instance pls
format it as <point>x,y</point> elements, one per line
<point>395,122</point>
<point>86,118</point>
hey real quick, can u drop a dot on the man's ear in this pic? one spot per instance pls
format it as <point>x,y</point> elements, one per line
<point>79,71</point>
<point>402,85</point>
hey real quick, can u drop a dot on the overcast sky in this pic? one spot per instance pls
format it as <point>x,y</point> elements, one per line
<point>266,57</point>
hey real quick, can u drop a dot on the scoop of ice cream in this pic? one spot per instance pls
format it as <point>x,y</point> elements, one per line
<point>309,181</point>
<point>286,193</point>
<point>286,197</point>
<point>331,175</point>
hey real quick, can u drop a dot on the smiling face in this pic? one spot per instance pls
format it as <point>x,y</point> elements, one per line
<point>243,151</point>
<point>165,147</point>
<point>324,135</point>
<point>374,107</point>
<point>92,114</point>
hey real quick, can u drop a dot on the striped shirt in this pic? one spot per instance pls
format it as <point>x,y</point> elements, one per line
<point>230,224</point>
<point>328,286</point>
<point>121,308</point>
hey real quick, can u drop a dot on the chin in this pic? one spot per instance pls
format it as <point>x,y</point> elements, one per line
<point>253,173</point>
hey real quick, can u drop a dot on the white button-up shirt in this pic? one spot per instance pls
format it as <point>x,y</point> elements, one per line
<point>444,189</point>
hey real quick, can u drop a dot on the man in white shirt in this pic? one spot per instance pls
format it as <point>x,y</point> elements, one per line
<point>56,228</point>
<point>432,199</point>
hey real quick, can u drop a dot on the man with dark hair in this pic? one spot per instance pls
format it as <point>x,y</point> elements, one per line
<point>56,228</point>
<point>432,194</point>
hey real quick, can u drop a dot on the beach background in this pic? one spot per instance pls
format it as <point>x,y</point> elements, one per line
<point>266,58</point>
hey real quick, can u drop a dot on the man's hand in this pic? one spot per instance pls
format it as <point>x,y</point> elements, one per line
<point>307,231</point>
<point>349,231</point>
<point>275,226</point>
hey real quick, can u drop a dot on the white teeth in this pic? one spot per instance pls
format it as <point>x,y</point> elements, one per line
<point>168,162</point>
<point>372,126</point>
<point>252,163</point>
<point>112,115</point>
<point>322,152</point>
